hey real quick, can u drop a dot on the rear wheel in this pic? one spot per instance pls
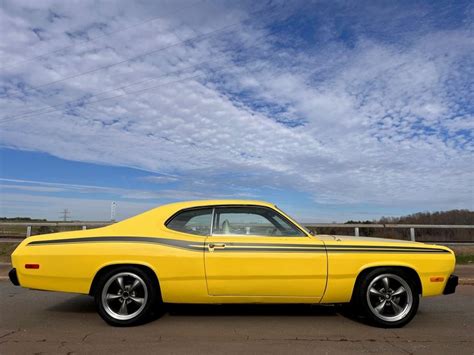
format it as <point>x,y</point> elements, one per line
<point>126,296</point>
<point>388,297</point>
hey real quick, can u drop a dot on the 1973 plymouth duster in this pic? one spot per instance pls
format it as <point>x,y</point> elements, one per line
<point>231,251</point>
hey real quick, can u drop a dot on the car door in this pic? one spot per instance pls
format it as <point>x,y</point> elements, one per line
<point>256,251</point>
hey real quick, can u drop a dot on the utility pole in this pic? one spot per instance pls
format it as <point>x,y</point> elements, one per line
<point>113,207</point>
<point>65,214</point>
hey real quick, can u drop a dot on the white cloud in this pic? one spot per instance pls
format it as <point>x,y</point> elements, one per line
<point>81,195</point>
<point>160,179</point>
<point>381,119</point>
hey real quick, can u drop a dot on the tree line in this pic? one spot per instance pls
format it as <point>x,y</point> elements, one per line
<point>453,217</point>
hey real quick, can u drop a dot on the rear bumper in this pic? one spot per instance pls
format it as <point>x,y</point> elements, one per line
<point>451,285</point>
<point>13,277</point>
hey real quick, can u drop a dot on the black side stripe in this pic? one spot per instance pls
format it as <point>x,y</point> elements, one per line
<point>183,244</point>
<point>332,247</point>
<point>246,247</point>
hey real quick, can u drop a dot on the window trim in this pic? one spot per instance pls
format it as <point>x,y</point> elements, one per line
<point>211,230</point>
<point>213,214</point>
<point>186,210</point>
<point>277,212</point>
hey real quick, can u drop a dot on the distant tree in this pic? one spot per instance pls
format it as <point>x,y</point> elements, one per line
<point>452,217</point>
<point>21,219</point>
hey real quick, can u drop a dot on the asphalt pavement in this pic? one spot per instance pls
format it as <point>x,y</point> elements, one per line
<point>33,322</point>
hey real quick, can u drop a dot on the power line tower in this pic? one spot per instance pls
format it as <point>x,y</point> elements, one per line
<point>113,209</point>
<point>64,215</point>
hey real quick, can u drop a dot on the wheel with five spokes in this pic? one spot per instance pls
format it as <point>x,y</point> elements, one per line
<point>388,297</point>
<point>126,296</point>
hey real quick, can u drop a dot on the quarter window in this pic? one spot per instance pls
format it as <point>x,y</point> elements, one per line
<point>253,221</point>
<point>196,221</point>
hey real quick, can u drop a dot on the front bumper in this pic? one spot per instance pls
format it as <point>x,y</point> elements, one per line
<point>451,285</point>
<point>13,277</point>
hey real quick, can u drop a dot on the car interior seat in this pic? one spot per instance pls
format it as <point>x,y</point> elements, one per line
<point>226,227</point>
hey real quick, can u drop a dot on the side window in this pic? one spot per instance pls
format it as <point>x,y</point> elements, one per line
<point>195,221</point>
<point>253,221</point>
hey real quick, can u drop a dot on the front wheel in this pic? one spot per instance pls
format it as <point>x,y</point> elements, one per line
<point>126,296</point>
<point>387,297</point>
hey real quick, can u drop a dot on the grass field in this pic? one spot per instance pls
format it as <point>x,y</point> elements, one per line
<point>6,249</point>
<point>465,259</point>
<point>464,254</point>
<point>20,231</point>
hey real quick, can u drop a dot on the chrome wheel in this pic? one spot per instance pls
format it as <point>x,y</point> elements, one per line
<point>389,297</point>
<point>124,296</point>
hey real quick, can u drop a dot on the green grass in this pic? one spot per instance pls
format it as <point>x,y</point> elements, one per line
<point>6,249</point>
<point>465,259</point>
<point>20,231</point>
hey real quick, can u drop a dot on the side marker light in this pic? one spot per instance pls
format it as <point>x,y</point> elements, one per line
<point>32,266</point>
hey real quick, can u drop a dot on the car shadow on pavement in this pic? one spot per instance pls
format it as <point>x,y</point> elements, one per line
<point>277,310</point>
<point>85,304</point>
<point>264,310</point>
<point>250,310</point>
<point>76,304</point>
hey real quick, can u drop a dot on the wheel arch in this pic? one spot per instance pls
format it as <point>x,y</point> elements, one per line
<point>405,268</point>
<point>108,267</point>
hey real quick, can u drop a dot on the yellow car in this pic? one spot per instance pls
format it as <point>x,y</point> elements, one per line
<point>231,251</point>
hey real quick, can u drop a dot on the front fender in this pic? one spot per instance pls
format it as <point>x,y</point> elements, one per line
<point>343,270</point>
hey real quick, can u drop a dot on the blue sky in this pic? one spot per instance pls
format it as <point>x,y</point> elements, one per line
<point>333,110</point>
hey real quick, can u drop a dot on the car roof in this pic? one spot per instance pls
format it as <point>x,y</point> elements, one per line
<point>159,215</point>
<point>199,203</point>
<point>163,212</point>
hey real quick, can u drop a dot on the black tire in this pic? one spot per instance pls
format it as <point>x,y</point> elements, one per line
<point>392,308</point>
<point>130,285</point>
